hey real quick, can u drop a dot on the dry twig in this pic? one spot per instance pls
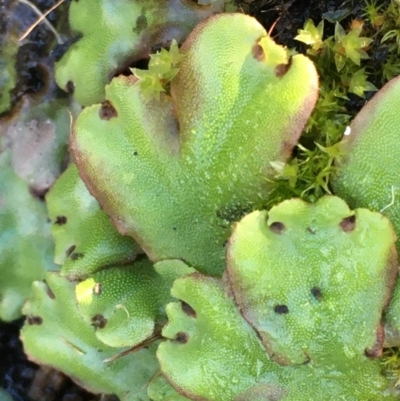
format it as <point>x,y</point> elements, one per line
<point>42,17</point>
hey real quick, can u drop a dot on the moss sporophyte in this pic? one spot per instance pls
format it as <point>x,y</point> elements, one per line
<point>183,276</point>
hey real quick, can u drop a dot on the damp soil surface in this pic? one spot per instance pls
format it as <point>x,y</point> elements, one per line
<point>22,379</point>
<point>26,381</point>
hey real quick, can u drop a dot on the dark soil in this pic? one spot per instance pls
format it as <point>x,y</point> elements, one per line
<point>35,56</point>
<point>21,378</point>
<point>291,15</point>
<point>24,381</point>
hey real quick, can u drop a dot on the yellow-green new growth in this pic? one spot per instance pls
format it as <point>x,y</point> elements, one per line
<point>116,34</point>
<point>163,66</point>
<point>174,173</point>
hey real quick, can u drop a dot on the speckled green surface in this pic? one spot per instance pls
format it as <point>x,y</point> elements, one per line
<point>368,174</point>
<point>160,390</point>
<point>84,237</point>
<point>123,302</point>
<point>298,314</point>
<point>115,34</point>
<point>55,335</point>
<point>212,354</point>
<point>176,173</point>
<point>313,279</point>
